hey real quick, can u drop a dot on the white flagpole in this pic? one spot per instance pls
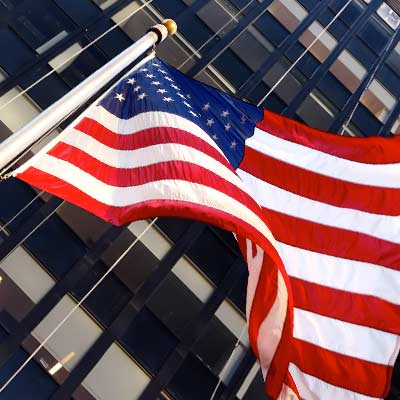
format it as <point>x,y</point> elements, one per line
<point>49,118</point>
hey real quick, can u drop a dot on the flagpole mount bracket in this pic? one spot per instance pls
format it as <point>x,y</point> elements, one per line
<point>167,28</point>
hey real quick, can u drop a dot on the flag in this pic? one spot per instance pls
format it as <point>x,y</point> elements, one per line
<point>317,217</point>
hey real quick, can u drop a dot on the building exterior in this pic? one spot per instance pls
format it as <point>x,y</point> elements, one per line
<point>163,324</point>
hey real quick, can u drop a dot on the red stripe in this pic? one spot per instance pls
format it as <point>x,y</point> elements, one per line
<point>264,298</point>
<point>384,201</point>
<point>146,209</point>
<point>332,241</point>
<point>147,137</point>
<point>337,369</point>
<point>345,306</point>
<point>371,150</point>
<point>124,177</point>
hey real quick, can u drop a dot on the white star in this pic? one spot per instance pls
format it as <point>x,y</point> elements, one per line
<point>161,91</point>
<point>168,99</point>
<point>187,104</point>
<point>206,107</point>
<point>119,96</point>
<point>181,95</point>
<point>131,81</point>
<point>137,88</point>
<point>227,126</point>
<point>193,113</point>
<point>168,78</point>
<point>225,113</point>
<point>150,76</point>
<point>162,71</point>
<point>233,145</point>
<point>155,64</point>
<point>210,122</point>
<point>189,96</point>
<point>215,137</point>
<point>243,119</point>
<point>142,96</point>
<point>156,83</point>
<point>144,69</point>
<point>175,87</point>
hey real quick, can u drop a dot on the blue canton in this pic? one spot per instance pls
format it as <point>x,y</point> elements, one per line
<point>156,86</point>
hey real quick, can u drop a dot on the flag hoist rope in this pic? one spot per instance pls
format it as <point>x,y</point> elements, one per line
<point>77,305</point>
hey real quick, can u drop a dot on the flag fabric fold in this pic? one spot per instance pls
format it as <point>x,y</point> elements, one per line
<point>317,217</point>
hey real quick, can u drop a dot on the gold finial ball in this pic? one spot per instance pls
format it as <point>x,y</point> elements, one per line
<point>171,26</point>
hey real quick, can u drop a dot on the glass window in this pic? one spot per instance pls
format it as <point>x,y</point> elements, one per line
<point>104,4</point>
<point>396,127</point>
<point>193,374</point>
<point>166,304</point>
<point>108,299</point>
<point>50,240</point>
<point>252,48</point>
<point>314,111</point>
<point>76,335</point>
<point>256,389</point>
<point>42,25</point>
<point>149,340</point>
<point>27,274</point>
<point>32,383</point>
<point>389,16</point>
<point>210,254</point>
<point>116,376</point>
<point>374,35</point>
<point>288,12</point>
<point>15,53</point>
<point>19,112</point>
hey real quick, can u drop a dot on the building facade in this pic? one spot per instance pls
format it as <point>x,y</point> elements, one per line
<point>165,322</point>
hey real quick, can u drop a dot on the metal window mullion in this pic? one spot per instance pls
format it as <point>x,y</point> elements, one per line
<point>249,85</point>
<point>123,320</point>
<point>355,97</point>
<point>192,332</point>
<point>52,297</point>
<point>255,13</point>
<point>319,73</point>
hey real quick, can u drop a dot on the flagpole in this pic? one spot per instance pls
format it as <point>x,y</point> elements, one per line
<point>51,116</point>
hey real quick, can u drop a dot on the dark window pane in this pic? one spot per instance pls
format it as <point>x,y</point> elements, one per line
<point>193,374</point>
<point>14,52</point>
<point>48,245</point>
<point>149,341</point>
<point>108,299</point>
<point>210,254</point>
<point>42,25</point>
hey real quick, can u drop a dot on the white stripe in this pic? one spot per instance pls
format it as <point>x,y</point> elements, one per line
<point>254,265</point>
<point>165,189</point>
<point>147,120</point>
<point>270,196</point>
<point>338,273</point>
<point>145,156</point>
<point>312,388</point>
<point>287,394</point>
<point>270,331</point>
<point>345,338</point>
<point>380,175</point>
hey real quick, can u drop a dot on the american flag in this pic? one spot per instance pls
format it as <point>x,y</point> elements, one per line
<point>317,217</point>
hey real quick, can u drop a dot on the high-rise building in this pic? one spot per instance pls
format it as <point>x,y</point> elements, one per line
<point>164,323</point>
